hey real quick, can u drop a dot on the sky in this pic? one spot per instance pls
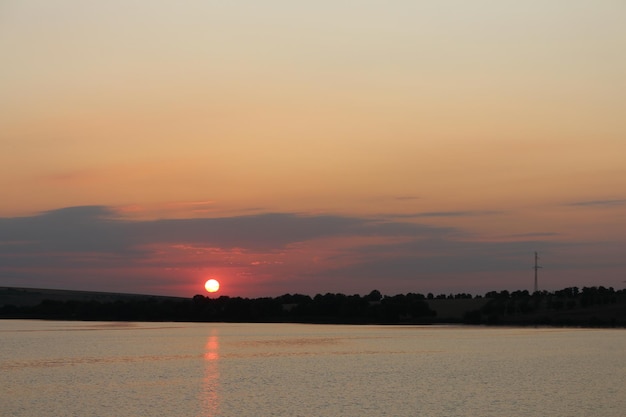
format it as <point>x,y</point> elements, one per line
<point>311,147</point>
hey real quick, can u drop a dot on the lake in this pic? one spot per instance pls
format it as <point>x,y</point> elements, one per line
<point>50,368</point>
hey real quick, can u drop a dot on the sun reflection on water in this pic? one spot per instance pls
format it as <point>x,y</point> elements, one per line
<point>210,392</point>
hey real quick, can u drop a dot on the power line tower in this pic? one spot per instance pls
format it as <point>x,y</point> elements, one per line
<point>536,268</point>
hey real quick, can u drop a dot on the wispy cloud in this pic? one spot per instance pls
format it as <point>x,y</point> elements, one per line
<point>533,235</point>
<point>599,203</point>
<point>461,213</point>
<point>406,197</point>
<point>73,177</point>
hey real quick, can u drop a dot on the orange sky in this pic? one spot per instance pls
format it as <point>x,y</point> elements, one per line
<point>474,132</point>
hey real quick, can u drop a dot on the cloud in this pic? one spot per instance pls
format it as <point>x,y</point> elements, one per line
<point>288,252</point>
<point>72,229</point>
<point>101,229</point>
<point>468,213</point>
<point>73,177</point>
<point>533,235</point>
<point>406,198</point>
<point>464,213</point>
<point>599,203</point>
<point>260,232</point>
<point>81,245</point>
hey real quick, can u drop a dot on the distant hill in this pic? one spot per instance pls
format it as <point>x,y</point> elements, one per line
<point>28,297</point>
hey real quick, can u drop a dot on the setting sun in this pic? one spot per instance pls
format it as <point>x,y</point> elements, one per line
<point>212,285</point>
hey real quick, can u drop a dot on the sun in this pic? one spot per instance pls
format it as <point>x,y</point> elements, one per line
<point>212,285</point>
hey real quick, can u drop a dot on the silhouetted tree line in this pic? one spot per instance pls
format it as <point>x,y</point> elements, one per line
<point>589,306</point>
<point>327,308</point>
<point>458,296</point>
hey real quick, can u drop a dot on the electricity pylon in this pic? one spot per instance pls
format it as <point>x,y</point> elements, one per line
<point>536,268</point>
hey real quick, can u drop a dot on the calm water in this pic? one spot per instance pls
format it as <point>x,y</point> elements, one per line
<point>156,369</point>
